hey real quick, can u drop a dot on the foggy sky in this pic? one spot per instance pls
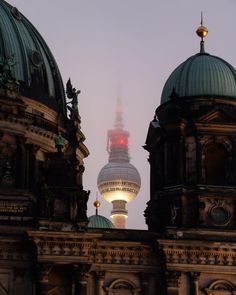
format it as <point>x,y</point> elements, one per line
<point>101,44</point>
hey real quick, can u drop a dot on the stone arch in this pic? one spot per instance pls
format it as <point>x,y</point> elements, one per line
<point>123,287</point>
<point>216,155</point>
<point>219,140</point>
<point>221,287</point>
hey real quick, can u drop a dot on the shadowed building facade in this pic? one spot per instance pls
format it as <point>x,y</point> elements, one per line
<point>191,144</point>
<point>47,246</point>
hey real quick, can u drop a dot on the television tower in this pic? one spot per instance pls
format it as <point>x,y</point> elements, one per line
<point>118,181</point>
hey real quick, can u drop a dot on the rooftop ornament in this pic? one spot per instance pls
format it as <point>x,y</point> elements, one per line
<point>72,105</point>
<point>7,79</point>
<point>202,32</point>
<point>96,204</point>
<point>59,142</point>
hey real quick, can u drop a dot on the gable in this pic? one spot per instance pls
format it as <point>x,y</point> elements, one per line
<point>217,116</point>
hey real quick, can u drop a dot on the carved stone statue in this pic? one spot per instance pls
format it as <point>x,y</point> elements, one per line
<point>72,94</point>
<point>7,80</point>
<point>82,205</point>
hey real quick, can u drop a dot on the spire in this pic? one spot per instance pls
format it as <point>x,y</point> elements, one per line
<point>119,114</point>
<point>202,33</point>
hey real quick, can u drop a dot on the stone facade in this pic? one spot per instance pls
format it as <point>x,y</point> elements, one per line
<point>191,145</point>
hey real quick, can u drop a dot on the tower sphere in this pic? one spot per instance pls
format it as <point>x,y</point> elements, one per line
<point>33,64</point>
<point>119,180</point>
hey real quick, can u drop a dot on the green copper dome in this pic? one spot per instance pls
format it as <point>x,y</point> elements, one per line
<point>34,65</point>
<point>201,75</point>
<point>98,221</point>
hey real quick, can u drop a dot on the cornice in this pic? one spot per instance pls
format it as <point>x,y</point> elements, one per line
<point>14,250</point>
<point>91,248</point>
<point>205,256</point>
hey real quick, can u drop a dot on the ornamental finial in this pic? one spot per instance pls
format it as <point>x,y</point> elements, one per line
<point>202,32</point>
<point>97,204</point>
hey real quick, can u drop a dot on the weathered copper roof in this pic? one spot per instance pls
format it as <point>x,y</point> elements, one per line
<point>99,221</point>
<point>35,67</point>
<point>201,75</point>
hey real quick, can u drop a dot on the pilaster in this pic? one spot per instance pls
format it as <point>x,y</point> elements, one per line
<point>173,279</point>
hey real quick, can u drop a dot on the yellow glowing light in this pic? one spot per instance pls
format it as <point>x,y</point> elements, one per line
<point>119,215</point>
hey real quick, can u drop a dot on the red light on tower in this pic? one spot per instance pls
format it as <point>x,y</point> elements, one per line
<point>123,141</point>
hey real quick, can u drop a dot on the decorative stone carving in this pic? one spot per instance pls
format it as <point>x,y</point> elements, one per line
<point>216,211</point>
<point>66,246</point>
<point>198,254</point>
<point>72,94</point>
<point>7,80</point>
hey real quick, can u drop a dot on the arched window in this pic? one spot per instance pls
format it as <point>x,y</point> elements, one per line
<point>215,164</point>
<point>221,287</point>
<point>123,287</point>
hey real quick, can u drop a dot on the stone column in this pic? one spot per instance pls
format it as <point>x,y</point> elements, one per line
<point>233,160</point>
<point>165,153</point>
<point>145,282</point>
<point>200,162</point>
<point>182,159</point>
<point>42,277</point>
<point>173,280</point>
<point>80,279</point>
<point>100,276</point>
<point>195,282</point>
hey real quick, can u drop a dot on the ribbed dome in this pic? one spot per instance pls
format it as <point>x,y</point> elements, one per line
<point>35,67</point>
<point>201,75</point>
<point>99,221</point>
<point>119,171</point>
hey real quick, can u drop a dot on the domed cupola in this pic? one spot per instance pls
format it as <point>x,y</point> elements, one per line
<point>32,63</point>
<point>99,221</point>
<point>201,75</point>
<point>191,144</point>
<point>41,145</point>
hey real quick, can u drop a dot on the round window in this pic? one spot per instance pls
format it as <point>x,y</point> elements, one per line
<point>36,58</point>
<point>219,215</point>
<point>15,12</point>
